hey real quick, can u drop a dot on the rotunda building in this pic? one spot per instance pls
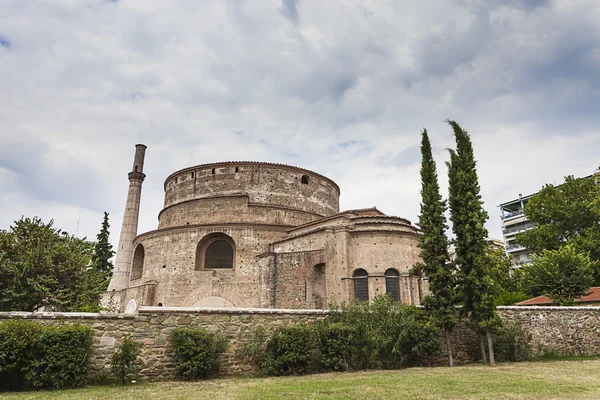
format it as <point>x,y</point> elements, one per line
<point>252,234</point>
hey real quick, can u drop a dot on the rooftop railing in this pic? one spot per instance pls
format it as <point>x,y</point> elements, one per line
<point>509,214</point>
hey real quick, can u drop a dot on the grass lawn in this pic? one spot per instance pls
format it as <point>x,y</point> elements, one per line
<point>538,380</point>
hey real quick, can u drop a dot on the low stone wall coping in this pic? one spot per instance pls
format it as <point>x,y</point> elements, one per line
<point>229,310</point>
<point>549,308</point>
<point>62,315</point>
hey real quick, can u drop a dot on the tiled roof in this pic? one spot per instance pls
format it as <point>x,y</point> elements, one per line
<point>592,296</point>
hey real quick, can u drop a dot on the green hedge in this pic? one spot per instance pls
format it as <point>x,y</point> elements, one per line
<point>389,334</point>
<point>196,352</point>
<point>43,356</point>
<point>337,346</point>
<point>291,351</point>
<point>379,334</point>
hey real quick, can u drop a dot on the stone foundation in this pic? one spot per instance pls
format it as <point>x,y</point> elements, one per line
<point>569,330</point>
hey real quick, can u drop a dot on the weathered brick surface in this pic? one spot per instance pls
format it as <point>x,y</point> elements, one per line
<point>291,247</point>
<point>568,330</point>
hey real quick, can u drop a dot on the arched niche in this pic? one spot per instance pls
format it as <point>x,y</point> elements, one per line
<point>215,251</point>
<point>137,267</point>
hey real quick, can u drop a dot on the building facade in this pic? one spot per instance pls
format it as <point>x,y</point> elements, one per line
<point>515,221</point>
<point>250,234</point>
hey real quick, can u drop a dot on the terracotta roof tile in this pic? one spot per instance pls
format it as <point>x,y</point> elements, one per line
<point>592,296</point>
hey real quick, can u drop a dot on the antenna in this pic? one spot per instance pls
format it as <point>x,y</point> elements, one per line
<point>78,219</point>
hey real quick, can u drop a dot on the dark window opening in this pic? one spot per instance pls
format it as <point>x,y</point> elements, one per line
<point>304,179</point>
<point>361,284</point>
<point>237,169</point>
<point>160,304</point>
<point>392,284</point>
<point>137,267</point>
<point>176,179</point>
<point>219,255</point>
<point>135,168</point>
<point>213,171</point>
<point>193,174</point>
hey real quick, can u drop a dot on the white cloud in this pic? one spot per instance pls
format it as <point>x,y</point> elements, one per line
<point>341,88</point>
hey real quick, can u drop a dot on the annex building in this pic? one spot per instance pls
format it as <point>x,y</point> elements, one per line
<point>253,234</point>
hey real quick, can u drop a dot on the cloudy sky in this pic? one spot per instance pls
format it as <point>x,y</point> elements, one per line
<point>339,87</point>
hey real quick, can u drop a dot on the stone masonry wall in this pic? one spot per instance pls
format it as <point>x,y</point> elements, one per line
<point>569,330</point>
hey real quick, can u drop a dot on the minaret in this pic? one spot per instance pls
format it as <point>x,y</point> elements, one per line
<point>122,269</point>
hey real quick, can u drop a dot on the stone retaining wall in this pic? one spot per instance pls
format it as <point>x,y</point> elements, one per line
<point>569,330</point>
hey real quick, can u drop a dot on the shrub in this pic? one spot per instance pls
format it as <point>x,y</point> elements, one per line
<point>337,346</point>
<point>17,350</point>
<point>291,351</point>
<point>123,362</point>
<point>389,334</point>
<point>512,342</point>
<point>196,352</point>
<point>62,355</point>
<point>254,349</point>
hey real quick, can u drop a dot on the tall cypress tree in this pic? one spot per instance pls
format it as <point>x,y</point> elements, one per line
<point>434,247</point>
<point>468,219</point>
<point>103,252</point>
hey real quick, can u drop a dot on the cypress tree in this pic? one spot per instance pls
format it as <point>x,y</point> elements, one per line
<point>103,253</point>
<point>434,247</point>
<point>468,219</point>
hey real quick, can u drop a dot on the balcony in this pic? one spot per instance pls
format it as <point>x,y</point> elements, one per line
<point>510,214</point>
<point>523,262</point>
<point>512,248</point>
<point>515,229</point>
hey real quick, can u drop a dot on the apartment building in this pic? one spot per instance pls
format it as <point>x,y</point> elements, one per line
<point>514,221</point>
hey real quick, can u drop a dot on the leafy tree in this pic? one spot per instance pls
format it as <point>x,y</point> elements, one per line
<point>434,248</point>
<point>562,274</point>
<point>124,361</point>
<point>39,266</point>
<point>468,218</point>
<point>566,214</point>
<point>507,282</point>
<point>103,254</point>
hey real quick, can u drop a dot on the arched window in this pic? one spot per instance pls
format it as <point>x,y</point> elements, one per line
<point>219,255</point>
<point>392,284</point>
<point>361,284</point>
<point>304,179</point>
<point>216,250</point>
<point>137,268</point>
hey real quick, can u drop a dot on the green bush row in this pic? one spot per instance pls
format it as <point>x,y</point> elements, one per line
<point>38,356</point>
<point>380,334</point>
